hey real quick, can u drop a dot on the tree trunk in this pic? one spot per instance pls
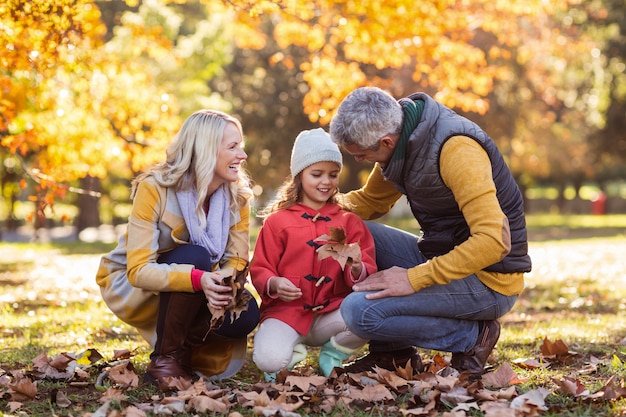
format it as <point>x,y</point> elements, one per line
<point>88,208</point>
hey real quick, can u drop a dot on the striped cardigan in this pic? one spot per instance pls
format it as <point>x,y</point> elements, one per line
<point>130,278</point>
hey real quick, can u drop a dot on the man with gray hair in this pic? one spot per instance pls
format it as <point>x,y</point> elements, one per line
<point>446,289</point>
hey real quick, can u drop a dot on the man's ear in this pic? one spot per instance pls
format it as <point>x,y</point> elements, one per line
<point>387,142</point>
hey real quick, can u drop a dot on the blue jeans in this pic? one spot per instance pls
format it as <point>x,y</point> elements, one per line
<point>440,317</point>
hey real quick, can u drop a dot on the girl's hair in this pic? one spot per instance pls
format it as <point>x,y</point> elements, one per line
<point>289,194</point>
<point>191,159</point>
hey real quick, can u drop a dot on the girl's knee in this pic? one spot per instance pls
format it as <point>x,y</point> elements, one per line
<point>268,358</point>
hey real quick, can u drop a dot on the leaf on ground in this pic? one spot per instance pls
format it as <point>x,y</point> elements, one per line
<point>530,363</point>
<point>204,404</point>
<point>42,367</point>
<point>609,391</point>
<point>531,402</point>
<point>571,386</point>
<point>501,377</point>
<point>88,357</point>
<point>22,388</point>
<point>557,350</point>
<point>372,393</point>
<point>112,393</point>
<point>61,400</point>
<point>14,405</point>
<point>497,409</point>
<point>305,382</point>
<point>61,361</point>
<point>119,354</point>
<point>124,374</point>
<point>457,395</point>
<point>133,411</point>
<point>278,406</point>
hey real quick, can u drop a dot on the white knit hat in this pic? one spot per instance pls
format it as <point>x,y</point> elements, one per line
<point>312,146</point>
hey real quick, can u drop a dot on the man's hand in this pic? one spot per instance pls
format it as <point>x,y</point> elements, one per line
<point>392,282</point>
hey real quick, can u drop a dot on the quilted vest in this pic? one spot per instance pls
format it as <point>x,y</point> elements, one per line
<point>432,202</point>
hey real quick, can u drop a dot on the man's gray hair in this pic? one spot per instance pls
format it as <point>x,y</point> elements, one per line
<point>365,116</point>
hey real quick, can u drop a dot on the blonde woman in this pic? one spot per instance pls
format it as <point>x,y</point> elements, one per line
<point>189,228</point>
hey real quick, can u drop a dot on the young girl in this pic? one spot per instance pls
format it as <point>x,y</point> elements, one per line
<point>300,294</point>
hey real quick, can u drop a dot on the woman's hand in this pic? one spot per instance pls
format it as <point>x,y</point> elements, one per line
<point>284,289</point>
<point>217,295</point>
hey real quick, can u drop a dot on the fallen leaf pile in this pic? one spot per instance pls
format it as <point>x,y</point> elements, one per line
<point>438,390</point>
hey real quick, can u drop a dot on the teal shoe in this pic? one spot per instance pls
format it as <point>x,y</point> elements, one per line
<point>270,376</point>
<point>332,355</point>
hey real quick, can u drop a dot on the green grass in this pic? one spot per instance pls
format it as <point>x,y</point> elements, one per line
<point>49,303</point>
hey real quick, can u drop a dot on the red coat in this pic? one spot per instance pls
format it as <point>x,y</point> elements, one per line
<point>285,248</point>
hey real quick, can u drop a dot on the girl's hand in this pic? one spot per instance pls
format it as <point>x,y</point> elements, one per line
<point>356,269</point>
<point>217,295</point>
<point>284,289</point>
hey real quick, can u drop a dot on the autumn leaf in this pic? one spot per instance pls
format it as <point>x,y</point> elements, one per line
<point>557,350</point>
<point>124,374</point>
<point>571,386</point>
<point>334,246</point>
<point>502,377</point>
<point>531,402</point>
<point>239,301</point>
<point>22,388</point>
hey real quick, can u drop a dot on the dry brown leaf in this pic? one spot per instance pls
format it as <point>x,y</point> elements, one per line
<point>60,362</point>
<point>460,409</point>
<point>204,404</point>
<point>557,350</point>
<point>372,393</point>
<point>112,393</point>
<point>14,405</point>
<point>334,246</point>
<point>61,400</point>
<point>497,409</point>
<point>305,382</point>
<point>239,302</point>
<point>571,386</point>
<point>124,374</point>
<point>457,395</point>
<point>133,411</point>
<point>22,388</point>
<point>393,379</point>
<point>531,402</point>
<point>501,377</point>
<point>531,363</point>
<point>119,354</point>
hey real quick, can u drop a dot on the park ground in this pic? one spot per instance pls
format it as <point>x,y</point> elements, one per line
<point>574,298</point>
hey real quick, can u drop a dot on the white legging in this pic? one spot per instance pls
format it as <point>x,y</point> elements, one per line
<point>274,339</point>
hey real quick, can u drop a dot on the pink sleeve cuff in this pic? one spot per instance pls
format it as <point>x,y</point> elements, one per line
<point>196,277</point>
<point>361,276</point>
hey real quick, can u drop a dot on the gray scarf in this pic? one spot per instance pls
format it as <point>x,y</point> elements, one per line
<point>215,235</point>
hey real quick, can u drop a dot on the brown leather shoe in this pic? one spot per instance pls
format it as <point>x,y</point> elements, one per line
<point>474,361</point>
<point>386,360</point>
<point>169,365</point>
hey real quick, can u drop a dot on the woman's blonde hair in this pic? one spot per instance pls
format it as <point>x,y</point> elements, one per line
<point>191,159</point>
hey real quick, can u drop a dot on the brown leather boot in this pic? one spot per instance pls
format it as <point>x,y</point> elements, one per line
<point>473,361</point>
<point>172,355</point>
